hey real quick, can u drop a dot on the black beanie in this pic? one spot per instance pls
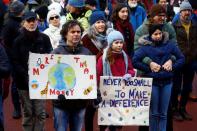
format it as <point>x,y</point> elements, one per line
<point>153,27</point>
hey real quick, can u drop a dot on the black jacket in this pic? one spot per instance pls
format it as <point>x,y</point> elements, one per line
<point>64,49</point>
<point>10,32</point>
<point>26,42</point>
<point>4,65</point>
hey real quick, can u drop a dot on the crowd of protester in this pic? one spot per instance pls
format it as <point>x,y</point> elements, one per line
<point>152,36</point>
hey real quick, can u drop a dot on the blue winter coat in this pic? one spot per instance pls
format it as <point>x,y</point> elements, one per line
<point>159,53</point>
<point>137,17</point>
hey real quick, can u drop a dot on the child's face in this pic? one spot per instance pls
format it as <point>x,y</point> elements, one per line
<point>117,45</point>
<point>157,35</point>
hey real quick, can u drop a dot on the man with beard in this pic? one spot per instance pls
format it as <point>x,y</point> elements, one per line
<point>29,40</point>
<point>186,32</point>
<point>137,14</point>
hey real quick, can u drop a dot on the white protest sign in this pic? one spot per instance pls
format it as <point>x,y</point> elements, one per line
<point>124,102</point>
<point>71,75</point>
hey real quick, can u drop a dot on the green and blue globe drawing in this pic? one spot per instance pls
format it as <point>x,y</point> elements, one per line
<point>62,77</point>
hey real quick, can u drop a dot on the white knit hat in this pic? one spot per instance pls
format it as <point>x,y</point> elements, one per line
<point>52,13</point>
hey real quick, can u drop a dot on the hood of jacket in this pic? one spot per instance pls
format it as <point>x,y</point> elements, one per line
<point>145,40</point>
<point>72,50</point>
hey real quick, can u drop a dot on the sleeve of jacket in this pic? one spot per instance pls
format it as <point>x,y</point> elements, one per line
<point>48,46</point>
<point>130,67</point>
<point>4,63</point>
<point>138,63</point>
<point>140,31</point>
<point>180,59</point>
<point>99,67</point>
<point>18,68</point>
<point>172,33</point>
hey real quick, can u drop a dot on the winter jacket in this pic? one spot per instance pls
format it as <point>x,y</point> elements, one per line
<point>88,43</point>
<point>26,42</point>
<point>4,68</point>
<point>187,45</point>
<point>137,17</point>
<point>82,18</point>
<point>126,29</point>
<point>11,31</point>
<point>159,53</point>
<point>4,63</point>
<point>143,30</point>
<point>64,49</point>
<point>117,68</point>
<point>54,35</point>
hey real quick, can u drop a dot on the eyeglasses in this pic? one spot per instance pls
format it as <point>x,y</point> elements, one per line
<point>55,17</point>
<point>31,20</point>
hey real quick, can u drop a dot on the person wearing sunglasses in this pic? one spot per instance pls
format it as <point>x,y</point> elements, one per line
<point>53,18</point>
<point>32,40</point>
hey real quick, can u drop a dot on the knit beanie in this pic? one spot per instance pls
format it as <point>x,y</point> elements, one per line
<point>52,13</point>
<point>76,3</point>
<point>153,27</point>
<point>96,15</point>
<point>16,7</point>
<point>114,35</point>
<point>156,10</point>
<point>55,6</point>
<point>185,5</point>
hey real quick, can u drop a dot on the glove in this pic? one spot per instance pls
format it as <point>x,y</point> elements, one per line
<point>97,101</point>
<point>61,97</point>
<point>126,77</point>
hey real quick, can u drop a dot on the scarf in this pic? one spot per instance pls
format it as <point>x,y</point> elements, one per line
<point>106,65</point>
<point>126,29</point>
<point>99,40</point>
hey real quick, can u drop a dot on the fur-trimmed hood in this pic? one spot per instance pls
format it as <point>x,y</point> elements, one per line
<point>145,40</point>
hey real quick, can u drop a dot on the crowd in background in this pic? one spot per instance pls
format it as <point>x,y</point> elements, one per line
<point>145,38</point>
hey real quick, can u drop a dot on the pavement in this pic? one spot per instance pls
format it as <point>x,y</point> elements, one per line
<point>15,124</point>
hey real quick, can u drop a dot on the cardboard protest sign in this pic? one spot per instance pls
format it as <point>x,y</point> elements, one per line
<point>124,102</point>
<point>71,75</point>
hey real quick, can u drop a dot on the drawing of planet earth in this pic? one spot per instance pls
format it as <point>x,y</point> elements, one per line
<point>62,77</point>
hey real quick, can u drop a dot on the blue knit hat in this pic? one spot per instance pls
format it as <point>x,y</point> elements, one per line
<point>97,15</point>
<point>76,3</point>
<point>185,5</point>
<point>114,35</point>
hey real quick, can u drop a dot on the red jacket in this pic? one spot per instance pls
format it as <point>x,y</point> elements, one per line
<point>117,68</point>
